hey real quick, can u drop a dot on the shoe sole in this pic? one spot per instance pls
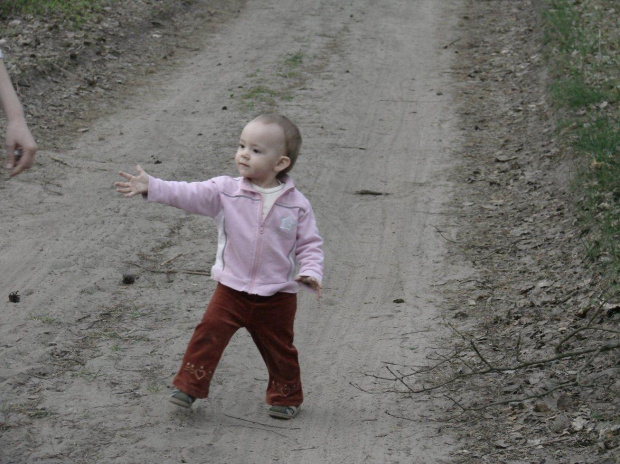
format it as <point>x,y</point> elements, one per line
<point>183,404</point>
<point>279,415</point>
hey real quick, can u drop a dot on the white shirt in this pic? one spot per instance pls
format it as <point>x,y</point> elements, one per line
<point>269,196</point>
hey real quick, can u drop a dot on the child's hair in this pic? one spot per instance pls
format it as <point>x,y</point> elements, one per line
<point>292,136</point>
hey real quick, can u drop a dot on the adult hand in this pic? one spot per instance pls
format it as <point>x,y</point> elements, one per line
<point>19,140</point>
<point>137,184</point>
<point>312,282</point>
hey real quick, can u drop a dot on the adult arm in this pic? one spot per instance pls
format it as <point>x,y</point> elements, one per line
<point>18,136</point>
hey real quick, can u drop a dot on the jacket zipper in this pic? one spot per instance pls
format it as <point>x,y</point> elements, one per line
<point>259,247</point>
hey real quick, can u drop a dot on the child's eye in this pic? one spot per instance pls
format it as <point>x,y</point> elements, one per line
<point>241,145</point>
<point>256,150</point>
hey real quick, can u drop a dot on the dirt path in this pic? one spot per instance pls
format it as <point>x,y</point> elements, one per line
<point>86,361</point>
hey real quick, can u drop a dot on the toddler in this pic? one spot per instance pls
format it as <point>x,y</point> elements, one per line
<point>266,228</point>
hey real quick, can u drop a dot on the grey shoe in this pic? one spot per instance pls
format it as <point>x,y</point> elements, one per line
<point>182,399</point>
<point>284,412</point>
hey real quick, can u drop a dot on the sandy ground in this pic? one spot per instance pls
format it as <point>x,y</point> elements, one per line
<point>86,362</point>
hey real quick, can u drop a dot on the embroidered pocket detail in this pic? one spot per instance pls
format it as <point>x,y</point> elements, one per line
<point>287,223</point>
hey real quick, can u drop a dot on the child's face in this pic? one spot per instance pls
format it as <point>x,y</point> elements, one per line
<point>261,153</point>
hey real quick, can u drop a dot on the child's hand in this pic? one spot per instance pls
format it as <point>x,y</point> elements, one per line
<point>137,184</point>
<point>312,282</point>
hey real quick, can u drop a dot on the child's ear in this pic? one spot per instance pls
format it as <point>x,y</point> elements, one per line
<point>283,163</point>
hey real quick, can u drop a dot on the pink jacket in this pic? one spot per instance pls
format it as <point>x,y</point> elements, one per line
<point>253,255</point>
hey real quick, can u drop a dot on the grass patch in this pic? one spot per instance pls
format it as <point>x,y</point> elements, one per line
<point>154,388</point>
<point>582,45</point>
<point>75,11</point>
<point>294,60</point>
<point>41,413</point>
<point>44,319</point>
<point>574,92</point>
<point>259,93</point>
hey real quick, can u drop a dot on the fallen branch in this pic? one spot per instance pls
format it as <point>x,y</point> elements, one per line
<point>588,326</point>
<point>496,369</point>
<point>399,379</point>
<point>523,398</point>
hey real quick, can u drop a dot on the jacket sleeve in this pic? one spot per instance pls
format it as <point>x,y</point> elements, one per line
<point>309,247</point>
<point>194,197</point>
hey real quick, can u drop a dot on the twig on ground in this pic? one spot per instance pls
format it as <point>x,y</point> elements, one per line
<point>171,259</point>
<point>58,160</point>
<point>452,43</point>
<point>400,417</point>
<point>172,271</point>
<point>258,428</point>
<point>443,236</point>
<point>260,423</point>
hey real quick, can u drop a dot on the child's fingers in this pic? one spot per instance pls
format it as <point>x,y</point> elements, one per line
<point>316,285</point>
<point>123,188</point>
<point>126,192</point>
<point>312,282</point>
<point>125,175</point>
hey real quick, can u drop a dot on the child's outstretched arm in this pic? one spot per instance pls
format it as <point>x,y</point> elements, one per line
<point>137,185</point>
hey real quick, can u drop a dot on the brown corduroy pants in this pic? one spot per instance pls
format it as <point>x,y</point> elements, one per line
<point>268,319</point>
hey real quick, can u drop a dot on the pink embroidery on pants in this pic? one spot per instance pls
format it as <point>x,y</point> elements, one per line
<point>285,389</point>
<point>199,373</point>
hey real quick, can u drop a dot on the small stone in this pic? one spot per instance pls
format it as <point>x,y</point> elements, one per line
<point>129,279</point>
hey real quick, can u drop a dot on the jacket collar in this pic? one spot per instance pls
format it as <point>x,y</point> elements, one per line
<point>245,184</point>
